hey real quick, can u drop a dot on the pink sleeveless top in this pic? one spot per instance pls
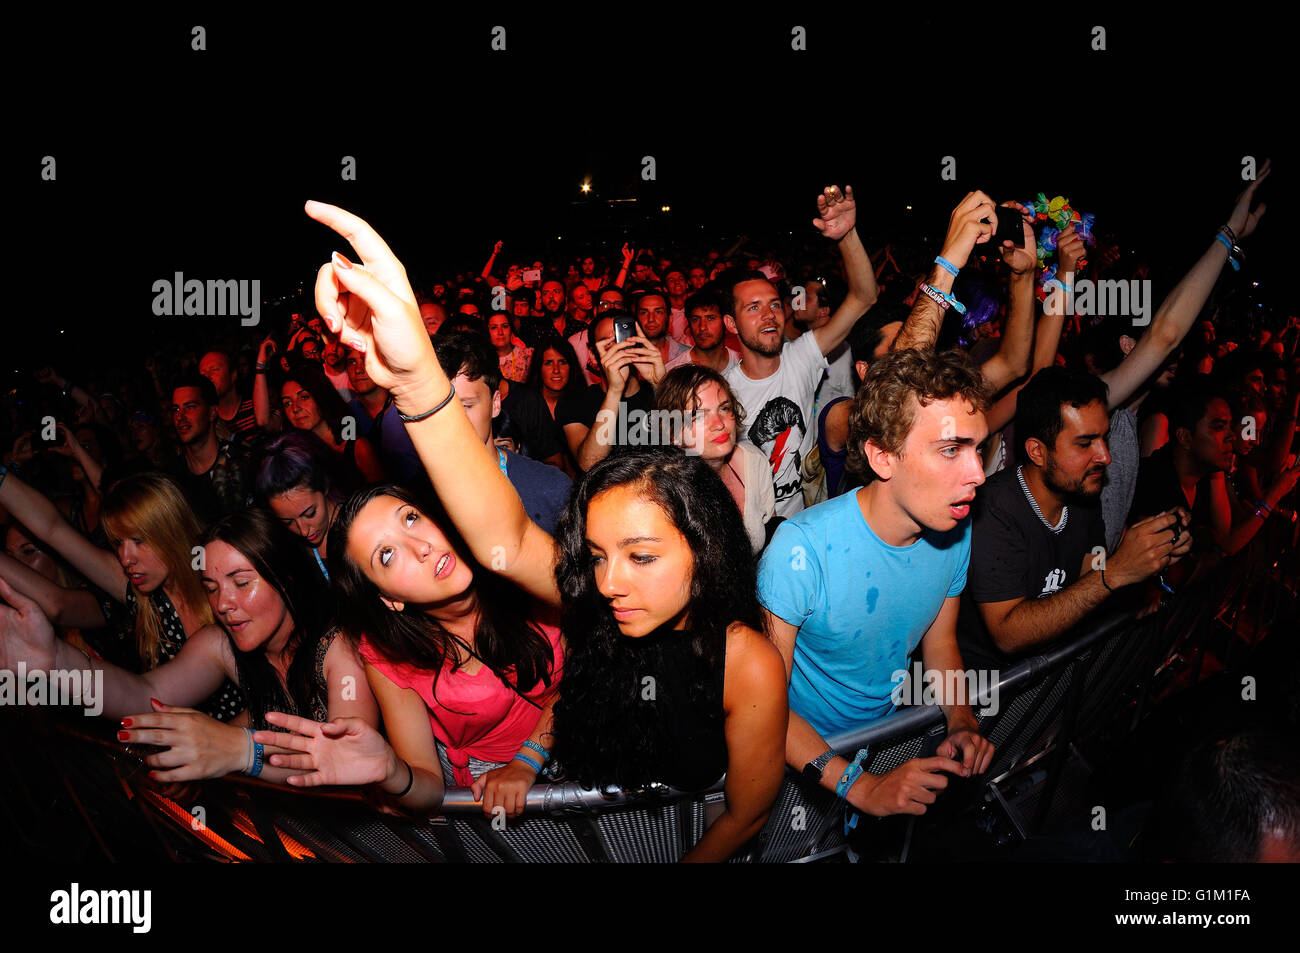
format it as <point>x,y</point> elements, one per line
<point>475,715</point>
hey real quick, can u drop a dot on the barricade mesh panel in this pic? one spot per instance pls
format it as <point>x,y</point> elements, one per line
<point>476,848</point>
<point>804,820</point>
<point>641,835</point>
<point>1039,726</point>
<point>544,840</point>
<point>884,759</point>
<point>381,843</point>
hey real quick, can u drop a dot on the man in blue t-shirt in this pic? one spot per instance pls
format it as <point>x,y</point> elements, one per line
<point>851,586</point>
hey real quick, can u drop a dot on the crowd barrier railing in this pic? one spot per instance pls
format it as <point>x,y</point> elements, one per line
<point>1045,703</point>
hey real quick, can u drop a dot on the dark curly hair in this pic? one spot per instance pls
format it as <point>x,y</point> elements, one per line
<point>507,641</point>
<point>603,732</point>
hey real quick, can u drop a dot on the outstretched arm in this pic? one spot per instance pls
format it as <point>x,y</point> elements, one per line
<point>48,525</point>
<point>1178,311</point>
<point>371,306</point>
<point>837,220</point>
<point>72,607</point>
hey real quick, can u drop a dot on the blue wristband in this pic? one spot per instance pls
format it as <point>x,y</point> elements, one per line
<point>846,781</point>
<point>946,265</point>
<point>953,302</point>
<point>1220,237</point>
<point>4,472</point>
<point>851,774</point>
<point>259,755</point>
<point>546,755</point>
<point>532,763</point>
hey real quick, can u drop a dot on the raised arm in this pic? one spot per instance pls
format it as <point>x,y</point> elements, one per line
<point>1178,311</point>
<point>965,230</point>
<point>1012,358</point>
<point>1047,334</point>
<point>371,306</point>
<point>265,412</point>
<point>837,220</point>
<point>487,269</point>
<point>45,522</point>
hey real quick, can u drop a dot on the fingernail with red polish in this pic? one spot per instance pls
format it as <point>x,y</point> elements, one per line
<point>123,736</point>
<point>153,774</point>
<point>126,722</point>
<point>340,261</point>
<point>154,700</point>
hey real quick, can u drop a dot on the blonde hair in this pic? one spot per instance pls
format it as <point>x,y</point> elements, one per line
<point>153,507</point>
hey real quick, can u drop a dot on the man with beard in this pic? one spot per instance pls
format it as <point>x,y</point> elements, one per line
<point>1038,561</point>
<point>774,370</point>
<point>704,311</point>
<point>652,312</point>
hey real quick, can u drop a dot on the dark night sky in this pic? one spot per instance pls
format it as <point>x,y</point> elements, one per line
<point>172,160</point>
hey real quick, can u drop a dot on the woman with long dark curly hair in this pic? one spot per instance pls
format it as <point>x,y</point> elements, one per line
<point>668,676</point>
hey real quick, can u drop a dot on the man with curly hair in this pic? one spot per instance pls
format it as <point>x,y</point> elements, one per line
<point>852,585</point>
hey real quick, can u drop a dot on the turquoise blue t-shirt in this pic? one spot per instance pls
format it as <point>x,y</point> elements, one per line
<point>861,606</point>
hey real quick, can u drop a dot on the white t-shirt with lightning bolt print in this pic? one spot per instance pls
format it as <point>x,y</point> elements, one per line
<point>779,416</point>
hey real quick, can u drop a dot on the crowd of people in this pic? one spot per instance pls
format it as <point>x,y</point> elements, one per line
<point>660,519</point>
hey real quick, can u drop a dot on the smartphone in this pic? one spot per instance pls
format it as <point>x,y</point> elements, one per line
<point>1009,228</point>
<point>624,328</point>
<point>532,274</point>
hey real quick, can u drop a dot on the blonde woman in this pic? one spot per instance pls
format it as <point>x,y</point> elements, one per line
<point>151,572</point>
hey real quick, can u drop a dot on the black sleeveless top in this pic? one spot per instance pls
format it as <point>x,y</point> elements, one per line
<point>690,747</point>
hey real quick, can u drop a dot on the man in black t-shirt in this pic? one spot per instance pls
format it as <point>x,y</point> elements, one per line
<point>1038,549</point>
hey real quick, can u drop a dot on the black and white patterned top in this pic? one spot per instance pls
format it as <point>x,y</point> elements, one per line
<point>228,700</point>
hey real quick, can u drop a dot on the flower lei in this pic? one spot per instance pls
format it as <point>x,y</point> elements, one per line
<point>1058,212</point>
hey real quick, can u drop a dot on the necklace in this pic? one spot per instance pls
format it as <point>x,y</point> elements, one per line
<point>1065,510</point>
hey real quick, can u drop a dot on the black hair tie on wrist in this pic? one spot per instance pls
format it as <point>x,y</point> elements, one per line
<point>429,413</point>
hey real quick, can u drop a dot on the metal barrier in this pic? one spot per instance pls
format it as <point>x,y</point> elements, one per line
<point>1047,702</point>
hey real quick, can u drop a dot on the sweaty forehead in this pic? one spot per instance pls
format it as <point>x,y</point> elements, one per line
<point>955,417</point>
